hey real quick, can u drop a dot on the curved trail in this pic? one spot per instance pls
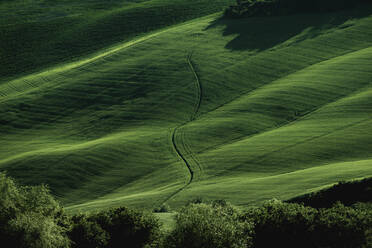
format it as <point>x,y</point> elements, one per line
<point>191,155</point>
<point>197,86</point>
<point>181,156</point>
<point>184,160</point>
<point>183,149</point>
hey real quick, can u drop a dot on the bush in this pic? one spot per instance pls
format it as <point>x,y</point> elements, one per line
<point>30,217</point>
<point>280,224</point>
<point>85,233</point>
<point>164,208</point>
<point>342,226</point>
<point>209,226</point>
<point>126,227</point>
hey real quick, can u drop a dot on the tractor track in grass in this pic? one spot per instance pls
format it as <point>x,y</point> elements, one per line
<point>197,86</point>
<point>183,150</point>
<point>190,154</point>
<point>181,155</point>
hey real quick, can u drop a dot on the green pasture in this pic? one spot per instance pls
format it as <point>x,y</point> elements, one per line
<point>35,34</point>
<point>259,108</point>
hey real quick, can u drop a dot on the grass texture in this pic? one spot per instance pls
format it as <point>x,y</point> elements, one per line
<point>243,110</point>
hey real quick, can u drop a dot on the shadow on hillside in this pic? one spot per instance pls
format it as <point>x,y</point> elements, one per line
<point>261,33</point>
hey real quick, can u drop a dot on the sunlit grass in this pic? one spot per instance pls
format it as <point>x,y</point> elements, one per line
<point>285,109</point>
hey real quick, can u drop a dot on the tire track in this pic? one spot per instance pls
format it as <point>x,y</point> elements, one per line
<point>180,155</point>
<point>197,86</point>
<point>199,91</point>
<point>183,159</point>
<point>190,154</point>
<point>183,149</point>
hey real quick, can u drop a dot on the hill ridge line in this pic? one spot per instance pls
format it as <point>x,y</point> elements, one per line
<point>57,69</point>
<point>319,166</point>
<point>274,81</point>
<point>260,157</point>
<point>285,124</point>
<point>311,111</point>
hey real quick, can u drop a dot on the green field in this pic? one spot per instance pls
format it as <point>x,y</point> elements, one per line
<point>37,33</point>
<point>243,110</point>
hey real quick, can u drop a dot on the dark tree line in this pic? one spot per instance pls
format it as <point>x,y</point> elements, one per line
<point>31,218</point>
<point>347,193</point>
<point>249,8</point>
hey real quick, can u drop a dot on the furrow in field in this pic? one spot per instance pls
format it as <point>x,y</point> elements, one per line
<point>184,161</point>
<point>197,87</point>
<point>181,155</point>
<point>182,150</point>
<point>191,155</point>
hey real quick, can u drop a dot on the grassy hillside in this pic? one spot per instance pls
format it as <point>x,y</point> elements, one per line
<point>37,33</point>
<point>244,110</point>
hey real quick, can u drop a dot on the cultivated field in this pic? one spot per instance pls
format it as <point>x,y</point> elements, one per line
<point>243,110</point>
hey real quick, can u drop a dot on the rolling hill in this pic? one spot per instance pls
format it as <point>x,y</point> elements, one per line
<point>237,109</point>
<point>35,34</point>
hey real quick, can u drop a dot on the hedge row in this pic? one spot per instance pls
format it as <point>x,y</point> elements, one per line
<point>249,8</point>
<point>31,218</point>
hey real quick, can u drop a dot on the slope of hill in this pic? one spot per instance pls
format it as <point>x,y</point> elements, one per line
<point>37,33</point>
<point>244,110</point>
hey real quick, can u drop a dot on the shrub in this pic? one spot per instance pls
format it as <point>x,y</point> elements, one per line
<point>209,226</point>
<point>164,208</point>
<point>279,224</point>
<point>85,233</point>
<point>128,228</point>
<point>30,217</point>
<point>342,226</point>
<point>33,230</point>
